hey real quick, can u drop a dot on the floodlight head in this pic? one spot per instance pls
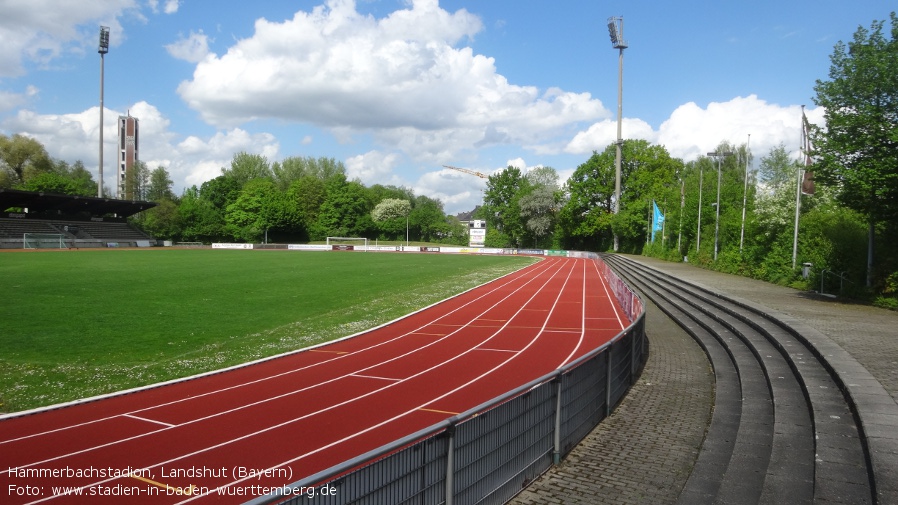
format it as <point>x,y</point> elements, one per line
<point>104,40</point>
<point>616,31</point>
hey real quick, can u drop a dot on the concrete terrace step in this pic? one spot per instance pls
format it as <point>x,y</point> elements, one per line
<point>796,441</point>
<point>645,452</point>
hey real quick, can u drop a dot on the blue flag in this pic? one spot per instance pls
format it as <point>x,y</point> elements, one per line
<point>657,219</point>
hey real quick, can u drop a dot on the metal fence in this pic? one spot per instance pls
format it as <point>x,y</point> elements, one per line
<point>488,454</point>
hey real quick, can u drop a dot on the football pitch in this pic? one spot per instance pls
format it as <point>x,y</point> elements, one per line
<point>83,323</point>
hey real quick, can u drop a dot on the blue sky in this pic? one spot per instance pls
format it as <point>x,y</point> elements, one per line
<point>397,88</point>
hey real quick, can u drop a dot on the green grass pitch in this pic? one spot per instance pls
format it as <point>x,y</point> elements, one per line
<point>78,324</point>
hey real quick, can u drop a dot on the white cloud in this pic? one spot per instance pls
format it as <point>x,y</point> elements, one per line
<point>42,30</point>
<point>601,134</point>
<point>169,7</point>
<point>374,167</point>
<point>692,131</point>
<point>400,79</point>
<point>193,49</point>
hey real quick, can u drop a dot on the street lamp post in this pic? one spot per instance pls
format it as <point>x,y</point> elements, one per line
<point>104,48</point>
<point>616,31</point>
<point>719,155</point>
<point>682,205</point>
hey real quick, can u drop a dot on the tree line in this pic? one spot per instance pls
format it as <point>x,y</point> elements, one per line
<point>299,199</point>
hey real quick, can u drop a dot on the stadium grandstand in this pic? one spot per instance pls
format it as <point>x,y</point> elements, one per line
<point>45,220</point>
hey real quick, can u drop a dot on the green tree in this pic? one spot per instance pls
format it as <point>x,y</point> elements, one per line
<point>246,167</point>
<point>378,193</point>
<point>200,219</point>
<point>220,191</point>
<point>540,203</point>
<point>585,218</point>
<point>136,181</point>
<point>162,221</point>
<point>293,168</point>
<point>501,206</point>
<point>429,222</point>
<point>345,211</point>
<point>775,199</point>
<point>648,173</point>
<point>258,209</point>
<point>857,151</point>
<point>308,194</point>
<point>456,232</point>
<point>392,218</point>
<point>80,176</point>
<point>160,186</point>
<point>51,182</point>
<point>22,157</point>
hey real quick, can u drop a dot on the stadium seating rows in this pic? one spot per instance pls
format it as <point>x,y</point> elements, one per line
<point>72,230</point>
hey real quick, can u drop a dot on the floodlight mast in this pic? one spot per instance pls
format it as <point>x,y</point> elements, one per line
<point>616,31</point>
<point>103,49</point>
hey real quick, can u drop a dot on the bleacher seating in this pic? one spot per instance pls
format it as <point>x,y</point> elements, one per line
<point>78,233</point>
<point>16,228</point>
<point>84,221</point>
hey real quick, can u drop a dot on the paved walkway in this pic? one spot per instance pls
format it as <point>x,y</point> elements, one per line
<point>644,452</point>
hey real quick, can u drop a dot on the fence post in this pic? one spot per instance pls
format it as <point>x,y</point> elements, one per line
<point>608,380</point>
<point>450,465</point>
<point>556,458</point>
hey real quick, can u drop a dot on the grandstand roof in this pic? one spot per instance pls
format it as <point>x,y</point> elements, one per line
<point>37,201</point>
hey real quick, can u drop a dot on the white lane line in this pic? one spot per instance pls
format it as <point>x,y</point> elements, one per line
<point>279,375</point>
<point>611,297</point>
<point>582,321</point>
<point>149,420</point>
<point>374,377</point>
<point>264,430</point>
<point>401,415</point>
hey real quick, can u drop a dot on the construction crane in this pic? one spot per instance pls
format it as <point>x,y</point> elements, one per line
<point>465,170</point>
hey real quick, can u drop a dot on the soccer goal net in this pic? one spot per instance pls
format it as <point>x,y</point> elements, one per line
<point>44,241</point>
<point>348,243</point>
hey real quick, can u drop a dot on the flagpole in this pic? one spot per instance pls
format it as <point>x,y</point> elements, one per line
<point>798,196</point>
<point>651,225</point>
<point>663,223</point>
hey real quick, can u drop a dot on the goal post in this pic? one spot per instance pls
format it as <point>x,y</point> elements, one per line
<point>348,243</point>
<point>43,241</point>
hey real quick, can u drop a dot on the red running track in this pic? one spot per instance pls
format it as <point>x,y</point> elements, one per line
<point>228,436</point>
